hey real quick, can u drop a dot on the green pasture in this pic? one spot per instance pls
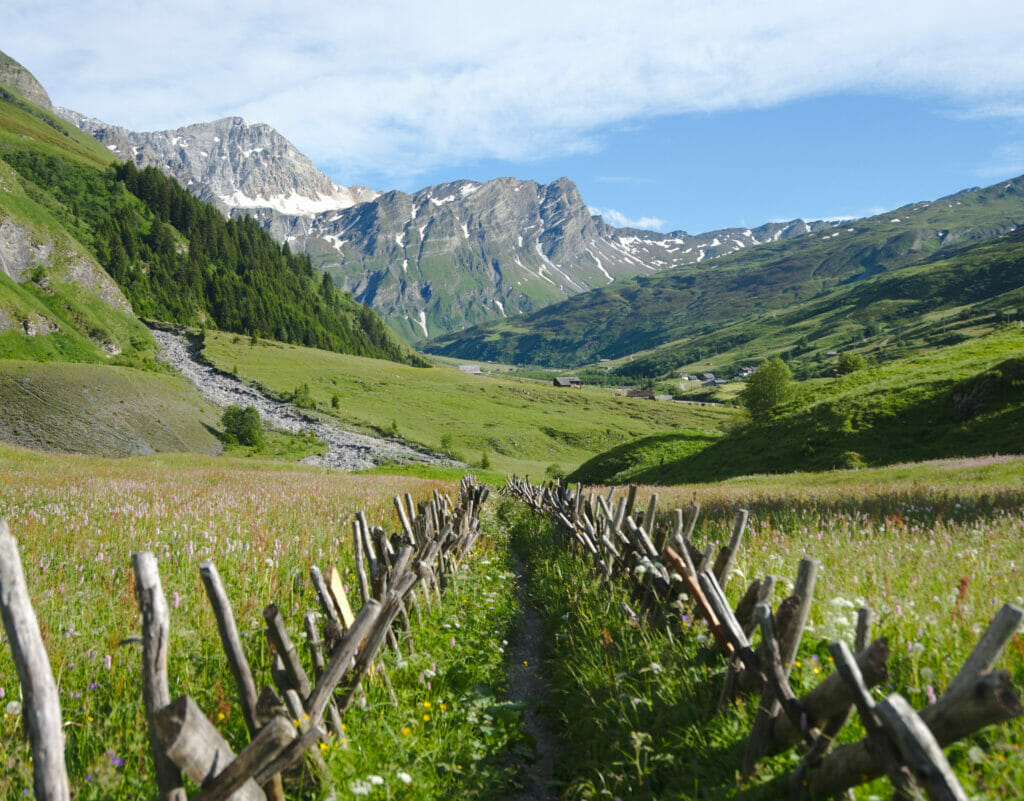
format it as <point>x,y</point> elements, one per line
<point>522,426</point>
<point>963,400</point>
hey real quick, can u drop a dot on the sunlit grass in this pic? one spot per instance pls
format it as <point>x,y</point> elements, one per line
<point>934,550</point>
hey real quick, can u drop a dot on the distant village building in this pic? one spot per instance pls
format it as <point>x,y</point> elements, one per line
<point>663,397</point>
<point>568,381</point>
<point>746,372</point>
<point>832,353</point>
<point>470,369</point>
<point>707,379</point>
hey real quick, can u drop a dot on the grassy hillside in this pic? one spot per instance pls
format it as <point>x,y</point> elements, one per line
<point>116,411</point>
<point>62,297</point>
<point>523,426</point>
<point>961,400</point>
<point>732,302</point>
<point>174,257</point>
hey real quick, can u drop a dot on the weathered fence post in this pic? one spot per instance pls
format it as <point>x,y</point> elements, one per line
<point>41,706</point>
<point>237,661</point>
<point>194,744</point>
<point>156,625</point>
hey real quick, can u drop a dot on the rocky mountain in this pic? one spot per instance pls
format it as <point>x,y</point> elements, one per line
<point>834,285</point>
<point>237,165</point>
<point>23,82</point>
<point>455,254</point>
<point>434,261</point>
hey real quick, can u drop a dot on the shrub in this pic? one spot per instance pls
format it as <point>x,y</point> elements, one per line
<point>243,426</point>
<point>851,460</point>
<point>302,397</point>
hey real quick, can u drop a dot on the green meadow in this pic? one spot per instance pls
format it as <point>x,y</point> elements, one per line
<point>523,426</point>
<point>934,549</point>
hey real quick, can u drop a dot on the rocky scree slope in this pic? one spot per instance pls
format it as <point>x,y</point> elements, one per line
<point>346,450</point>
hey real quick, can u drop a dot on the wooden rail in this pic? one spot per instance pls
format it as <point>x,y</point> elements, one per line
<point>666,571</point>
<point>436,537</point>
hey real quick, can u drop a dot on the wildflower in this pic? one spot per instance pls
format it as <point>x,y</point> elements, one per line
<point>426,704</point>
<point>13,708</point>
<point>221,716</point>
<point>426,718</point>
<point>404,777</point>
<point>929,691</point>
<point>444,707</point>
<point>406,731</point>
<point>375,780</point>
<point>359,787</point>
<point>107,661</point>
<point>175,600</point>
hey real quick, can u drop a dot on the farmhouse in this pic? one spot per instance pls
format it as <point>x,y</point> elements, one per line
<point>470,369</point>
<point>568,381</point>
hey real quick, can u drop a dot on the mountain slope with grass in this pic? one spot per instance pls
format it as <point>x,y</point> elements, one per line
<point>71,215</point>
<point>521,426</point>
<point>698,310</point>
<point>961,400</point>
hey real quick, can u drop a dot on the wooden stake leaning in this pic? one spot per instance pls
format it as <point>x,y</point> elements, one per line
<point>41,703</point>
<point>196,747</point>
<point>156,624</point>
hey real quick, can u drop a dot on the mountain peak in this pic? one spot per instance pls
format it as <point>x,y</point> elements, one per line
<point>235,163</point>
<point>23,82</point>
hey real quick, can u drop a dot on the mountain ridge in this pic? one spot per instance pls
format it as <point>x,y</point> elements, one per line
<point>531,244</point>
<point>700,304</point>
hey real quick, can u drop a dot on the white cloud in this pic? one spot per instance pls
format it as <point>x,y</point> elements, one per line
<point>400,88</point>
<point>620,220</point>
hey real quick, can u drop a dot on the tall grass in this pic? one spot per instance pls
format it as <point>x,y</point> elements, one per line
<point>934,551</point>
<point>77,521</point>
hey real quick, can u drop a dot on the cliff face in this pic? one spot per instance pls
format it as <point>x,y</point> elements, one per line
<point>22,81</point>
<point>231,162</point>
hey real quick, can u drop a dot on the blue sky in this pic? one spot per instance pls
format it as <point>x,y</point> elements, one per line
<point>672,115</point>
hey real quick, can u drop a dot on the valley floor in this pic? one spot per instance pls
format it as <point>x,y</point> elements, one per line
<point>346,450</point>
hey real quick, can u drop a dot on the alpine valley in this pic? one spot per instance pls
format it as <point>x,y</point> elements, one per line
<point>432,262</point>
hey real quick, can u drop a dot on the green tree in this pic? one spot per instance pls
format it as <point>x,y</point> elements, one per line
<point>850,362</point>
<point>768,388</point>
<point>243,426</point>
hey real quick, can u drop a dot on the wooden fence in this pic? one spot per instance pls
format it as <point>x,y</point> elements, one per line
<point>668,576</point>
<point>285,720</point>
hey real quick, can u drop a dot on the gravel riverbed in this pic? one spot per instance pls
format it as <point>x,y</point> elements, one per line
<point>346,450</point>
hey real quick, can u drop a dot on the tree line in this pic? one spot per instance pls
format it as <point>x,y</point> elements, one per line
<point>178,259</point>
